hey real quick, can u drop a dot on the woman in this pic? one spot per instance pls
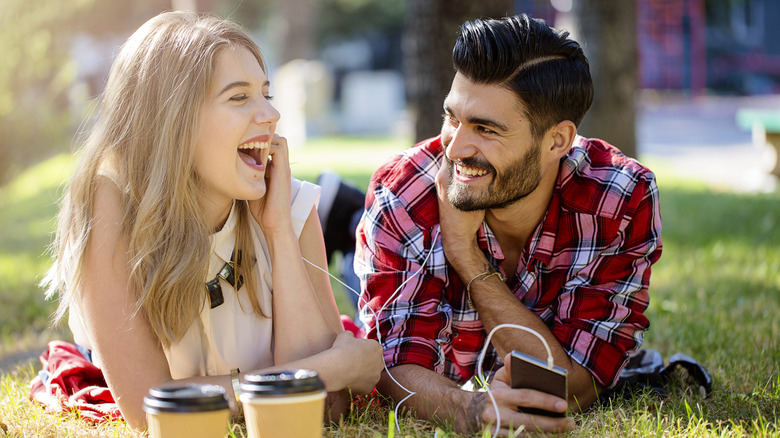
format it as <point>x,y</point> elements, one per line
<point>182,196</point>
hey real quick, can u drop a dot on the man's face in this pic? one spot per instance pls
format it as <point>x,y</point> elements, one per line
<point>494,159</point>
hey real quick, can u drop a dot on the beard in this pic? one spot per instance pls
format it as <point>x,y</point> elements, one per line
<point>520,179</point>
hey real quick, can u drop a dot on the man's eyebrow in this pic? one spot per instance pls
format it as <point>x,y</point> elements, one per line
<point>498,126</point>
<point>238,84</point>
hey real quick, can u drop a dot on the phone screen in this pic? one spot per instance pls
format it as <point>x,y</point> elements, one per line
<point>529,372</point>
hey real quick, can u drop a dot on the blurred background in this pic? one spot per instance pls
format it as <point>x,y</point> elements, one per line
<point>690,87</point>
<point>670,74</point>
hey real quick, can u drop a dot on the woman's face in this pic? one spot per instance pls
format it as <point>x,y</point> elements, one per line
<point>237,123</point>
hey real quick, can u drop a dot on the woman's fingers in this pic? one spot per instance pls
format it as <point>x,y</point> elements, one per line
<point>279,152</point>
<point>273,212</point>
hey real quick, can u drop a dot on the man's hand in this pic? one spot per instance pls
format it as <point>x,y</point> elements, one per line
<point>439,399</point>
<point>458,229</point>
<point>511,401</point>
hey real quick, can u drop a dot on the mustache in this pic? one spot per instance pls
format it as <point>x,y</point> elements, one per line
<point>472,162</point>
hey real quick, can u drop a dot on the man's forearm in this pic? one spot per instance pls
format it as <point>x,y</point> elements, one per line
<point>437,398</point>
<point>497,305</point>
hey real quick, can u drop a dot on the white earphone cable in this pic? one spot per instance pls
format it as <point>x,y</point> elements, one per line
<point>481,357</point>
<point>376,314</point>
<point>481,376</point>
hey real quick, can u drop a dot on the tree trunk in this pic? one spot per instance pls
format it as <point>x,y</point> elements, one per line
<point>607,31</point>
<point>432,26</point>
<point>297,30</point>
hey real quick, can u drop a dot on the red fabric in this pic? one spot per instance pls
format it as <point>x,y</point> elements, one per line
<point>74,384</point>
<point>585,270</point>
<point>350,325</point>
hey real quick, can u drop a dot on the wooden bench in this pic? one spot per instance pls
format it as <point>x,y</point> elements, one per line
<point>766,120</point>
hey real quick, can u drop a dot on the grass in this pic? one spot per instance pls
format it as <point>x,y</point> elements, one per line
<point>715,296</point>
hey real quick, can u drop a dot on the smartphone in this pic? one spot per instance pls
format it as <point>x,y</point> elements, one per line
<point>529,372</point>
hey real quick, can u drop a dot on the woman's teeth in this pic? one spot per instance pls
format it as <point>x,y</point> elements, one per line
<point>252,152</point>
<point>255,145</point>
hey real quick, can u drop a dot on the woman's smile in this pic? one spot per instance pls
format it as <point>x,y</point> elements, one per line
<point>252,151</point>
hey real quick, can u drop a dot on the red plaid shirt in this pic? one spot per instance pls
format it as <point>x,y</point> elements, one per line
<point>585,270</point>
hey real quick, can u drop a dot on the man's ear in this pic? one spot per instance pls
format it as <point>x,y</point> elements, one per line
<point>561,136</point>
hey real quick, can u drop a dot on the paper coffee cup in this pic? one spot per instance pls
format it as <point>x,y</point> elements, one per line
<point>283,404</point>
<point>187,411</point>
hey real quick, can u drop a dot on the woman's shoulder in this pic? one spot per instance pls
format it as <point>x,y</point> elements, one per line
<point>107,201</point>
<point>304,197</point>
<point>106,190</point>
<point>107,170</point>
<point>304,190</point>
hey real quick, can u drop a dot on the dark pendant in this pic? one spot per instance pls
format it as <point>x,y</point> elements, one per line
<point>227,273</point>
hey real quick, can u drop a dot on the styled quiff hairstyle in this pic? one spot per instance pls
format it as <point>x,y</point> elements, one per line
<point>545,68</point>
<point>145,136</point>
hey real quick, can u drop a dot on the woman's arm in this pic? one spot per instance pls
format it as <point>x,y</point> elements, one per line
<point>303,314</point>
<point>129,353</point>
<point>305,317</point>
<point>306,320</point>
<point>132,358</point>
<point>350,363</point>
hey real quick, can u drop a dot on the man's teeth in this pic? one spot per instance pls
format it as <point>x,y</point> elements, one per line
<point>470,171</point>
<point>255,145</point>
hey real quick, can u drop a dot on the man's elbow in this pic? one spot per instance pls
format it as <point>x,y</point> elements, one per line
<point>387,387</point>
<point>584,390</point>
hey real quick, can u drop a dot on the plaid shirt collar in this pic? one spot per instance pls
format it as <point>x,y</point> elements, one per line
<point>542,240</point>
<point>540,245</point>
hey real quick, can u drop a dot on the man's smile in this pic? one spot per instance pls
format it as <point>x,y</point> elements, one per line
<point>469,171</point>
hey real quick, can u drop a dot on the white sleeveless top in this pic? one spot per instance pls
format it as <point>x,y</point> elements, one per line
<point>230,335</point>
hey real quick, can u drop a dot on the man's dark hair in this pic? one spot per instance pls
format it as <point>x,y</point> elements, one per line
<point>548,70</point>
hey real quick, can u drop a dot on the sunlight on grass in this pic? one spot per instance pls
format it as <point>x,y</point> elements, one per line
<point>715,296</point>
<point>354,158</point>
<point>46,175</point>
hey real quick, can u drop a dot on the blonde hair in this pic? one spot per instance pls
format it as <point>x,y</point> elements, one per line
<point>145,133</point>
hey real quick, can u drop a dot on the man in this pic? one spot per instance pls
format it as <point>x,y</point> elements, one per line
<point>508,217</point>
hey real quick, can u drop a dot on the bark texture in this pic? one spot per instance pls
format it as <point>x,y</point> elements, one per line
<point>432,26</point>
<point>607,31</point>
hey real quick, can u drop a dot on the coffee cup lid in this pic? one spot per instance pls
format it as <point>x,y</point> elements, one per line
<point>282,382</point>
<point>185,398</point>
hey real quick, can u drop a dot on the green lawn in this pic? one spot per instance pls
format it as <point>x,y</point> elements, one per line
<point>715,296</point>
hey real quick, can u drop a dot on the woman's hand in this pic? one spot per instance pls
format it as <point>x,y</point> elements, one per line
<point>365,362</point>
<point>272,211</point>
